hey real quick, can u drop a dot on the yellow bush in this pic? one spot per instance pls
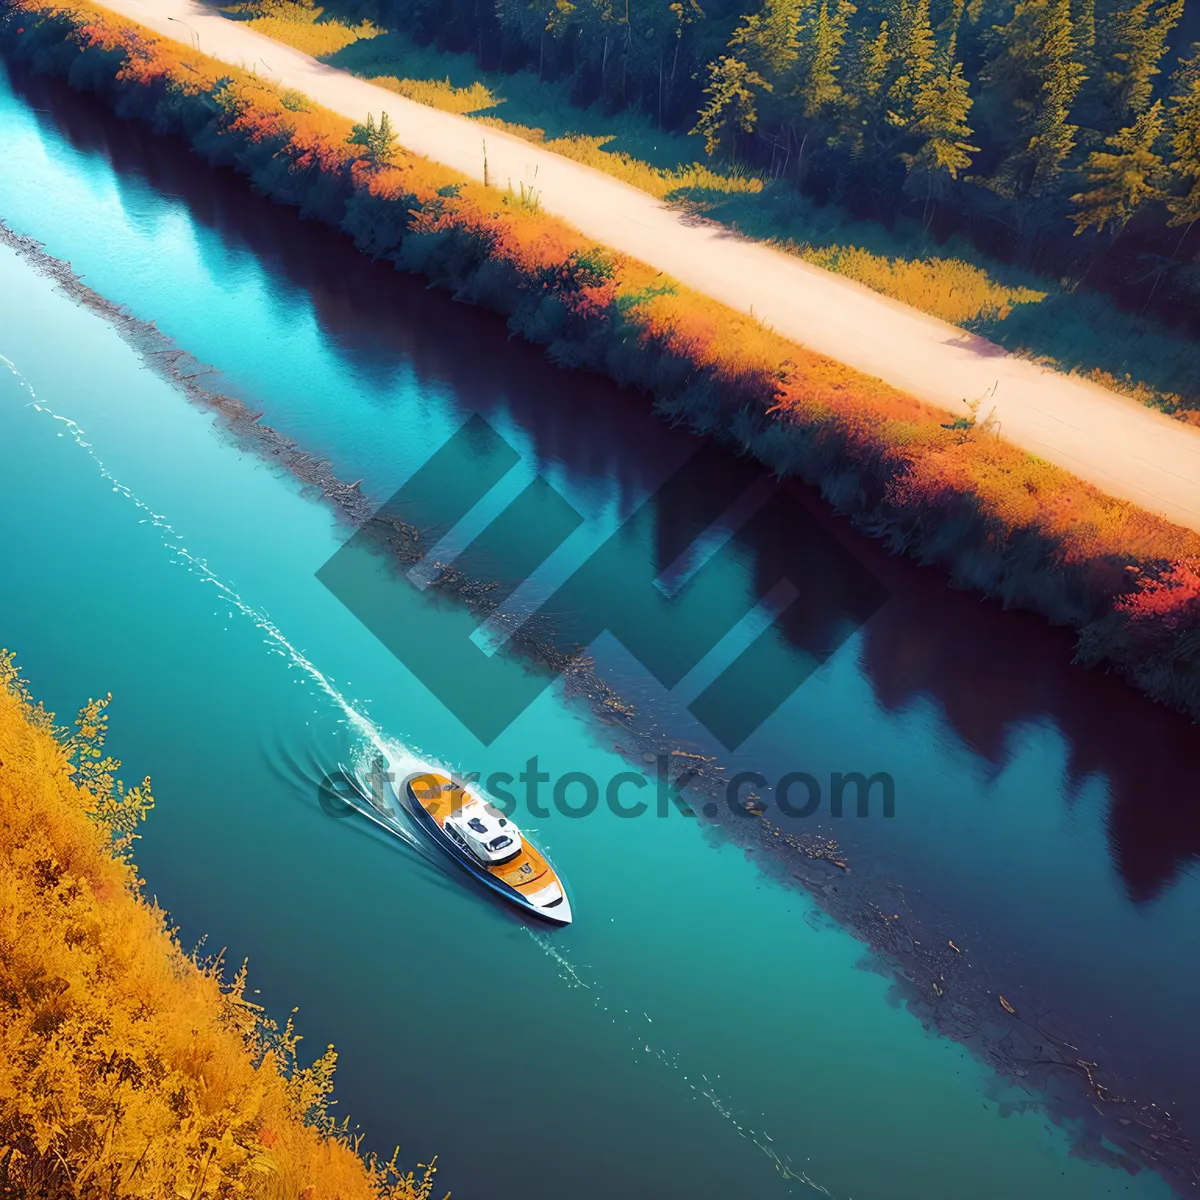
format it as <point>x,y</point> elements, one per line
<point>439,93</point>
<point>949,288</point>
<point>127,1070</point>
<point>298,23</point>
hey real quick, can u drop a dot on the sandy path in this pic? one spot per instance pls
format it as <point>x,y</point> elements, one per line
<point>1115,443</point>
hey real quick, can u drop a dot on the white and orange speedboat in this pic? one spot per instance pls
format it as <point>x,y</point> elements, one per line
<point>487,845</point>
<point>466,827</point>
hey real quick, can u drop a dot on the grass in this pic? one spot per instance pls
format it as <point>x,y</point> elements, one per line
<point>127,1067</point>
<point>949,288</point>
<point>441,93</point>
<point>300,25</point>
<point>1048,320</point>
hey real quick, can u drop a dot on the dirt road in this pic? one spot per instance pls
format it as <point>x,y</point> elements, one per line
<point>1113,442</point>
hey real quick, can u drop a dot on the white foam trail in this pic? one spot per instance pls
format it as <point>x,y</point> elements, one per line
<point>372,739</point>
<point>703,1087</point>
<point>402,760</point>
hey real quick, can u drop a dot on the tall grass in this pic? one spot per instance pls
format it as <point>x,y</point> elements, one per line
<point>997,519</point>
<point>441,93</point>
<point>127,1068</point>
<point>949,288</point>
<point>1050,320</point>
<point>314,39</point>
<point>662,182</point>
<point>299,23</point>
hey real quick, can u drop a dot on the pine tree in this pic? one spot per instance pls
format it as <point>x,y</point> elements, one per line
<point>1184,132</point>
<point>1053,136</point>
<point>1035,74</point>
<point>819,88</point>
<point>770,39</point>
<point>952,20</point>
<point>1092,110</point>
<point>914,59</point>
<point>940,123</point>
<point>1084,26</point>
<point>732,104</point>
<point>865,92</point>
<point>1140,32</point>
<point>1124,179</point>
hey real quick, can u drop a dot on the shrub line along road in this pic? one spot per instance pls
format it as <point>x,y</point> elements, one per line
<point>1113,442</point>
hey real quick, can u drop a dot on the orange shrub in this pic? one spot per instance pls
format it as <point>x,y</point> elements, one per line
<point>127,1069</point>
<point>1166,604</point>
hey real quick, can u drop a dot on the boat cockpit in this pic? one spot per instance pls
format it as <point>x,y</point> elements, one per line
<point>484,831</point>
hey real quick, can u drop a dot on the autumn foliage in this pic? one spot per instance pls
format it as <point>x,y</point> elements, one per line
<point>1154,632</point>
<point>948,492</point>
<point>1168,605</point>
<point>127,1069</point>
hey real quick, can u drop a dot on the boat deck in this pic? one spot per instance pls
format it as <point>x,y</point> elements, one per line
<point>527,873</point>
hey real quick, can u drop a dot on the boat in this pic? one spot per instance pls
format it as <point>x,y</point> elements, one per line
<point>487,845</point>
<point>467,828</point>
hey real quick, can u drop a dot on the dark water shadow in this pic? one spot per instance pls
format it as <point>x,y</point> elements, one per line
<point>991,671</point>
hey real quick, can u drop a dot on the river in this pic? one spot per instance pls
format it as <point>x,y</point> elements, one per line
<point>704,1028</point>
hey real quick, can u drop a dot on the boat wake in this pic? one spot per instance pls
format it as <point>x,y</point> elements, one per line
<point>645,1040</point>
<point>368,748</point>
<point>346,791</point>
<point>368,743</point>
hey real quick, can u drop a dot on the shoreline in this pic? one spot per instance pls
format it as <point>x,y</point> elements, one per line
<point>135,1032</point>
<point>915,956</point>
<point>1117,445</point>
<point>995,518</point>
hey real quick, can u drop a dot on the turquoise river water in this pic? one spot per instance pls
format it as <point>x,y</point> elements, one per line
<point>702,1029</point>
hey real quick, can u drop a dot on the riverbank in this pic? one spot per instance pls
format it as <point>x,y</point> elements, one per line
<point>129,1066</point>
<point>1053,318</point>
<point>950,493</point>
